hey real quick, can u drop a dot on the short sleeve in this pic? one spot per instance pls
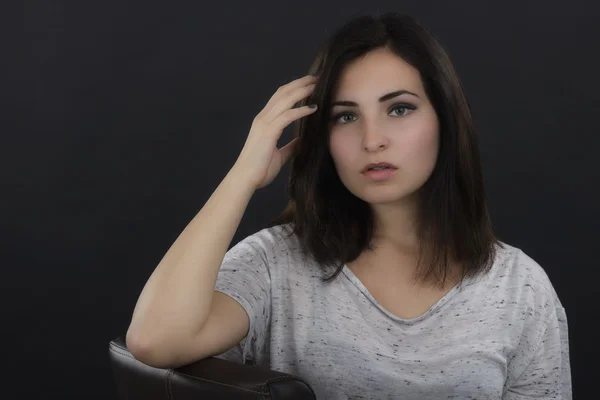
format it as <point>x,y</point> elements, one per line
<point>546,371</point>
<point>244,276</point>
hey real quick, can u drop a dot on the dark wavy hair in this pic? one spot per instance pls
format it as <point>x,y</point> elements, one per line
<point>333,225</point>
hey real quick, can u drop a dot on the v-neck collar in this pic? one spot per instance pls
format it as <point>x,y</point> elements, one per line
<point>432,310</point>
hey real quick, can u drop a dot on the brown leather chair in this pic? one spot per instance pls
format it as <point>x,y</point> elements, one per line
<point>211,378</point>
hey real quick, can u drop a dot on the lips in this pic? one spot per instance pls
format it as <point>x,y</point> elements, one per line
<point>382,165</point>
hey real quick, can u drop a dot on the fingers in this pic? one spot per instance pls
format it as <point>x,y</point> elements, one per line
<point>287,150</point>
<point>283,92</point>
<point>288,101</point>
<point>287,117</point>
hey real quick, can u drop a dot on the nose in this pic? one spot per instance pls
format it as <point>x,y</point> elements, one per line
<point>373,140</point>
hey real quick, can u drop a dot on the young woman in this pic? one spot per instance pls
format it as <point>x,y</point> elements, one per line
<point>383,277</point>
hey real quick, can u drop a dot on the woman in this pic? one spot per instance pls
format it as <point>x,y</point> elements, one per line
<point>383,277</point>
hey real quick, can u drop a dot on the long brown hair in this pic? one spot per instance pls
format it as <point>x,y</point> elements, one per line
<point>333,225</point>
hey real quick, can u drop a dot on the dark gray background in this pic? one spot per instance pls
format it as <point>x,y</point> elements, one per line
<point>119,119</point>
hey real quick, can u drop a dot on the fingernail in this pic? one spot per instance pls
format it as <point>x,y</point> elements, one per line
<point>312,106</point>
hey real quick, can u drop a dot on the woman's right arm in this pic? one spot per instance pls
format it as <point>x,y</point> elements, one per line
<point>176,300</point>
<point>179,318</point>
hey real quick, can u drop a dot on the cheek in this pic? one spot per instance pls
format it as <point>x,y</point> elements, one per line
<point>341,151</point>
<point>421,146</point>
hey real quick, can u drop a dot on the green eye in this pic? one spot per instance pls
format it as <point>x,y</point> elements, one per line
<point>407,107</point>
<point>336,117</point>
<point>402,107</point>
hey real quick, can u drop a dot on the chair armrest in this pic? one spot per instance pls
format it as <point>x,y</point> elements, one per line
<point>205,379</point>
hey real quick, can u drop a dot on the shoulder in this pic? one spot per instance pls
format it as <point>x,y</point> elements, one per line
<point>520,279</point>
<point>271,243</point>
<point>278,236</point>
<point>529,272</point>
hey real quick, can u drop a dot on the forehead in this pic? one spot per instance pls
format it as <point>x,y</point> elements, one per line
<point>375,73</point>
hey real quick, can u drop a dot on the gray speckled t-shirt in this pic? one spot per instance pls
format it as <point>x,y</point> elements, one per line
<point>502,335</point>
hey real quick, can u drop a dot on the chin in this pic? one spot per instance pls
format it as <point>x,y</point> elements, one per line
<point>381,200</point>
<point>384,195</point>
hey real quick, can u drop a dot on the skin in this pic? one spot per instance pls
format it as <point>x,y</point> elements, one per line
<point>403,131</point>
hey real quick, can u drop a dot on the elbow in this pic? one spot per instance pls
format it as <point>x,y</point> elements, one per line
<point>149,352</point>
<point>142,349</point>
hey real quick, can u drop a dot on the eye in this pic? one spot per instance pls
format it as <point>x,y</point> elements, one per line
<point>336,117</point>
<point>405,107</point>
<point>402,111</point>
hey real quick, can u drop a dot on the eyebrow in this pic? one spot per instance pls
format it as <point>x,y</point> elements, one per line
<point>383,98</point>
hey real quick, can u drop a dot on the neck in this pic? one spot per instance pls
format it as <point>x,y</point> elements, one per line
<point>396,227</point>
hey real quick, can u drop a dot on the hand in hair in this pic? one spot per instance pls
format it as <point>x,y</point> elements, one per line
<point>260,160</point>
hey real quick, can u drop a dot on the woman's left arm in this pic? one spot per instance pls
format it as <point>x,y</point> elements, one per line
<point>547,374</point>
